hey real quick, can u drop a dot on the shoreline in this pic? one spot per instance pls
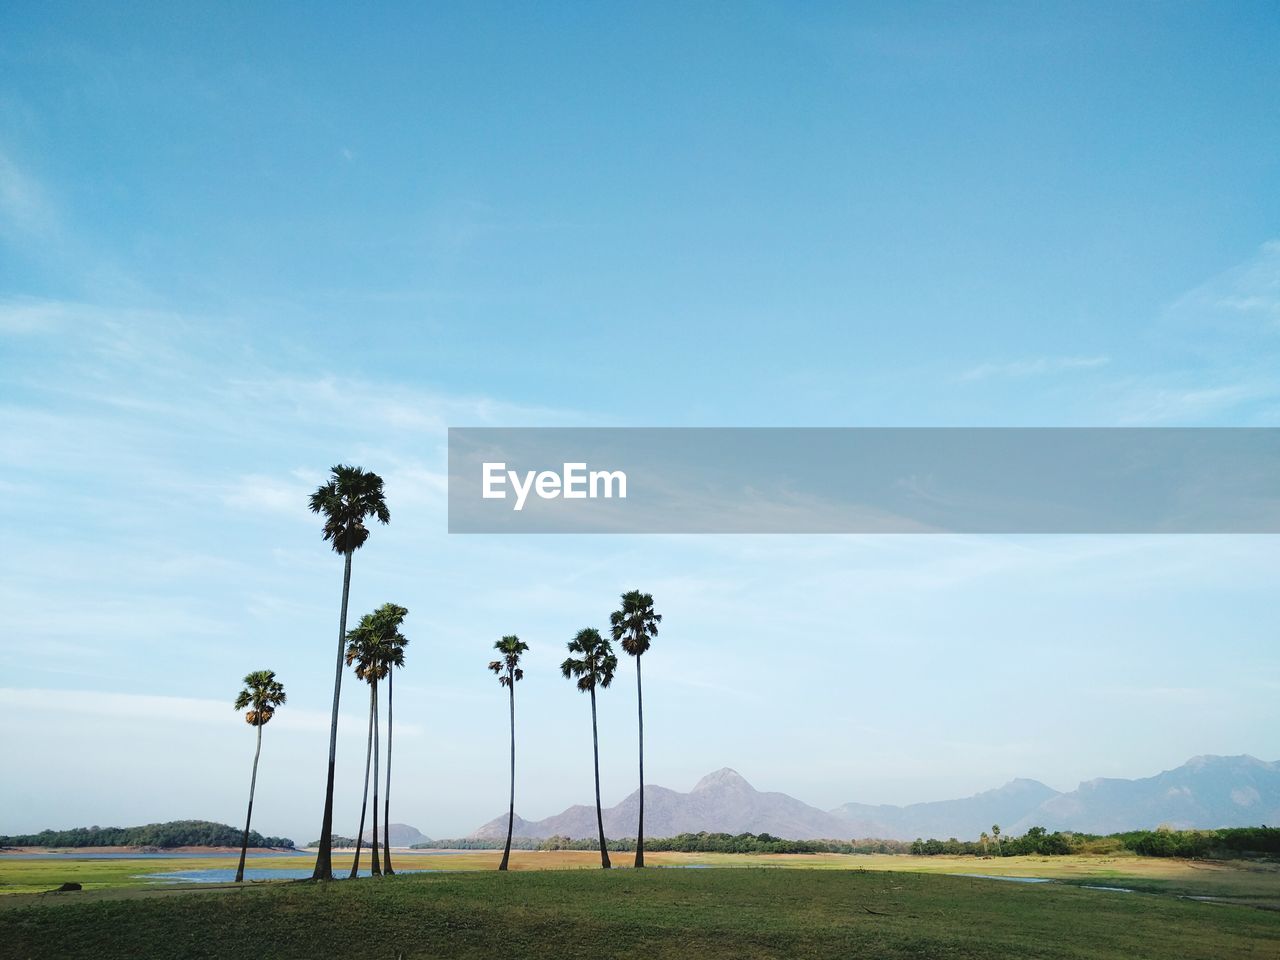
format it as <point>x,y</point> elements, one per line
<point>142,848</point>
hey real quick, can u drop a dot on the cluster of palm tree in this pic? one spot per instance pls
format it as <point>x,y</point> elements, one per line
<point>347,501</point>
<point>375,647</point>
<point>592,663</point>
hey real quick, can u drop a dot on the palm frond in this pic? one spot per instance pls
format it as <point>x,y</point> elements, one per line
<point>350,496</point>
<point>635,624</point>
<point>508,668</point>
<point>375,645</point>
<point>263,692</point>
<point>596,666</point>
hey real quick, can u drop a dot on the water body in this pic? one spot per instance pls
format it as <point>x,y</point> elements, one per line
<point>158,855</point>
<point>227,874</point>
<point>1083,886</point>
<point>198,854</point>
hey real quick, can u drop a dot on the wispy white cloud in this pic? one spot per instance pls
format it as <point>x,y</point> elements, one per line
<point>25,315</point>
<point>1033,367</point>
<point>170,709</point>
<point>1147,404</point>
<point>1248,293</point>
<point>274,494</point>
<point>1172,696</point>
<point>24,205</point>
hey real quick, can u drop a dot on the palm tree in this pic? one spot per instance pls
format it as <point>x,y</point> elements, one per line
<point>593,669</point>
<point>375,645</point>
<point>262,693</point>
<point>635,625</point>
<point>349,498</point>
<point>508,671</point>
<point>995,832</point>
<point>364,796</point>
<point>390,619</point>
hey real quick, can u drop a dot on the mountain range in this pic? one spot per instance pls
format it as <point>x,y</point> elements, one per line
<point>1204,793</point>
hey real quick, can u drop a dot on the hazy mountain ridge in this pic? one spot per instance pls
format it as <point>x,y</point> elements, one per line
<point>720,801</point>
<point>402,835</point>
<point>1205,793</point>
<point>964,818</point>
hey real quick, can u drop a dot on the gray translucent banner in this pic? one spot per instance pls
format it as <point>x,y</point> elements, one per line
<point>854,480</point>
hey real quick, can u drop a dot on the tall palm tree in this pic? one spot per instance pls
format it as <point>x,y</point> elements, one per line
<point>262,693</point>
<point>373,649</point>
<point>364,796</point>
<point>347,500</point>
<point>635,625</point>
<point>594,668</point>
<point>508,671</point>
<point>391,617</point>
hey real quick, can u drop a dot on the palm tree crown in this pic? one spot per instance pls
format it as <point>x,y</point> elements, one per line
<point>369,653</point>
<point>508,668</point>
<point>636,623</point>
<point>596,666</point>
<point>375,644</point>
<point>347,500</point>
<point>263,693</point>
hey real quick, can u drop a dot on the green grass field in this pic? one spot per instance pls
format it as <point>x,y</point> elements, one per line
<point>658,913</point>
<point>704,914</point>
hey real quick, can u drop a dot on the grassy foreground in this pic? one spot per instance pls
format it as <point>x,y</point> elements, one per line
<point>707,914</point>
<point>1251,882</point>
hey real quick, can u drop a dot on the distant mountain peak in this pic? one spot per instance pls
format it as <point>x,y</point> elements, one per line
<point>724,777</point>
<point>1238,760</point>
<point>1018,784</point>
<point>402,835</point>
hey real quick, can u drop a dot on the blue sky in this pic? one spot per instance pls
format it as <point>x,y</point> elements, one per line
<point>240,245</point>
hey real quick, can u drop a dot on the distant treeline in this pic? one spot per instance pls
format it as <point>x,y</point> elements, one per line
<point>175,833</point>
<point>1035,841</point>
<point>1233,842</point>
<point>1221,844</point>
<point>337,841</point>
<point>684,843</point>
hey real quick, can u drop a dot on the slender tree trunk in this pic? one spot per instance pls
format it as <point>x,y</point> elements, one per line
<point>374,867</point>
<point>364,801</point>
<point>253,784</point>
<point>640,828</point>
<point>595,746</point>
<point>511,809</point>
<point>386,810</point>
<point>324,856</point>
